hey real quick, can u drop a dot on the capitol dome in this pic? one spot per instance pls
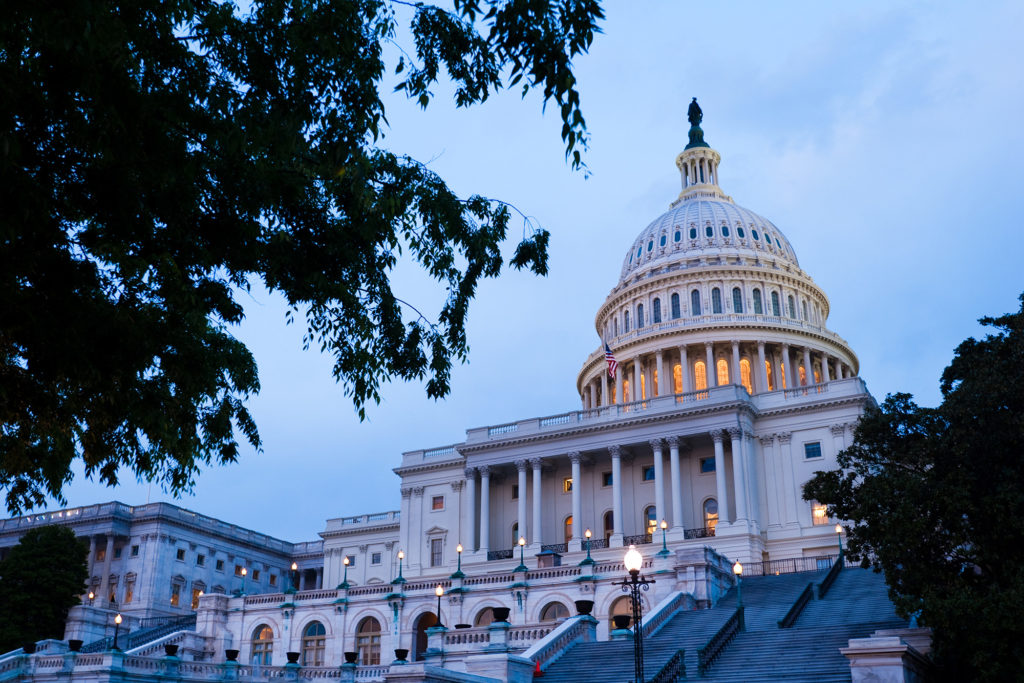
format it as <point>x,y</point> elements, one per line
<point>711,293</point>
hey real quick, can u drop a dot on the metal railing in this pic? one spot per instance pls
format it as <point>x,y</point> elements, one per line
<point>791,565</point>
<point>638,539</point>
<point>707,654</point>
<point>556,547</point>
<point>830,578</point>
<point>130,641</point>
<point>499,554</point>
<point>703,532</point>
<point>674,669</point>
<point>798,606</point>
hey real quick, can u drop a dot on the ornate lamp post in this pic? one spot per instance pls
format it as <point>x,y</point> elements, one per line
<point>92,596</point>
<point>664,543</point>
<point>737,569</point>
<point>632,585</point>
<point>522,561</point>
<point>439,591</point>
<point>245,572</point>
<point>401,556</point>
<point>117,627</point>
<point>588,560</point>
<point>344,577</point>
<point>839,535</point>
<point>458,570</point>
<point>295,576</point>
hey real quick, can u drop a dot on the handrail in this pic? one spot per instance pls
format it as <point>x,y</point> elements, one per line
<point>707,654</point>
<point>832,575</point>
<point>798,606</point>
<point>673,670</point>
<point>662,612</point>
<point>553,645</point>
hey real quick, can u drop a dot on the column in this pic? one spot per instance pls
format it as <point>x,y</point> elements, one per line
<point>808,368</point>
<point>470,509</point>
<point>105,578</point>
<point>712,375</point>
<point>537,535</point>
<point>92,560</point>
<point>677,484</point>
<point>838,431</point>
<point>485,508</point>
<point>320,574</point>
<point>619,398</point>
<point>839,369</point>
<point>659,364</point>
<point>521,508</point>
<point>616,453</point>
<point>736,378</point>
<point>739,473</point>
<point>577,501</point>
<point>762,371</point>
<point>772,479</point>
<point>826,371</point>
<point>789,492</point>
<point>787,362</point>
<point>722,491</point>
<point>684,371</point>
<point>637,370</point>
<point>605,396</point>
<point>659,479</point>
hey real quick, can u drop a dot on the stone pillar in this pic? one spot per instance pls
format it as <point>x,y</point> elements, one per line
<point>677,484</point>
<point>485,507</point>
<point>537,518</point>
<point>105,578</point>
<point>712,374</point>
<point>619,398</point>
<point>736,377</point>
<point>659,479</point>
<point>753,471</point>
<point>788,493</point>
<point>722,491</point>
<point>637,370</point>
<point>788,365</point>
<point>773,477</point>
<point>605,396</point>
<point>826,371</point>
<point>577,501</point>
<point>470,509</point>
<point>92,561</point>
<point>616,453</point>
<point>839,369</point>
<point>838,431</point>
<point>521,508</point>
<point>762,372</point>
<point>684,371</point>
<point>808,368</point>
<point>659,362</point>
<point>739,473</point>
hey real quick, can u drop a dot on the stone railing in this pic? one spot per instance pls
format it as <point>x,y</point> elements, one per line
<point>578,629</point>
<point>619,567</point>
<point>674,669</point>
<point>798,606</point>
<point>489,579</point>
<point>665,610</point>
<point>707,654</point>
<point>553,573</point>
<point>375,589</point>
<point>716,319</point>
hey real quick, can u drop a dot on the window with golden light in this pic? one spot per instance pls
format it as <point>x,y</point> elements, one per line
<point>768,374</point>
<point>700,376</point>
<point>745,376</point>
<point>314,638</point>
<point>262,645</point>
<point>677,378</point>
<point>722,371</point>
<point>803,376</point>
<point>819,514</point>
<point>710,514</point>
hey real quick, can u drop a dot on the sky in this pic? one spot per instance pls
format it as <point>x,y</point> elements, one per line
<point>884,139</point>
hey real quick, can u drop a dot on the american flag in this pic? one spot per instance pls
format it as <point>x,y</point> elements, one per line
<point>613,364</point>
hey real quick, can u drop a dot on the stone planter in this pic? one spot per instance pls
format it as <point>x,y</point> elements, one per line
<point>621,621</point>
<point>29,648</point>
<point>231,655</point>
<point>74,645</point>
<point>171,650</point>
<point>351,657</point>
<point>401,654</point>
<point>293,657</point>
<point>501,613</point>
<point>584,607</point>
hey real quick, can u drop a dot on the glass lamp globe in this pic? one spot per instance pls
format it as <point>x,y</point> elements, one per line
<point>633,560</point>
<point>439,591</point>
<point>839,528</point>
<point>737,568</point>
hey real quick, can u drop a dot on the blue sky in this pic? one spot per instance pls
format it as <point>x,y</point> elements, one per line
<point>883,138</point>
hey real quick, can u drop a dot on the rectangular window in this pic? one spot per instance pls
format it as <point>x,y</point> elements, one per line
<point>200,560</point>
<point>812,450</point>
<point>238,570</point>
<point>117,553</point>
<point>437,503</point>
<point>515,491</point>
<point>273,579</point>
<point>195,597</point>
<point>175,594</point>
<point>135,551</point>
<point>606,479</point>
<point>648,473</point>
<point>255,574</point>
<point>220,565</point>
<point>819,513</point>
<point>129,591</point>
<point>436,552</point>
<point>707,465</point>
<point>180,555</point>
<point>101,554</point>
<point>351,560</point>
<point>567,485</point>
<point>375,558</point>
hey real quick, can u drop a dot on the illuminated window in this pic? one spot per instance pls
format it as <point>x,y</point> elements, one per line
<point>758,309</point>
<point>643,386</point>
<point>716,300</point>
<point>262,645</point>
<point>437,503</point>
<point>639,316</point>
<point>745,375</point>
<point>817,377</point>
<point>129,590</point>
<point>554,611</point>
<point>803,375</point>
<point>568,529</point>
<point>567,485</point>
<point>196,592</point>
<point>819,514</point>
<point>368,641</point>
<point>626,396</point>
<point>650,520</point>
<point>314,639</point>
<point>175,594</point>
<point>656,311</point>
<point>700,376</point>
<point>737,300</point>
<point>768,374</point>
<point>723,372</point>
<point>710,514</point>
<point>775,304</point>
<point>674,302</point>
<point>677,378</point>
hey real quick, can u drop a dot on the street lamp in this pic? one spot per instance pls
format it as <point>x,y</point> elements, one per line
<point>458,571</point>
<point>344,578</point>
<point>439,591</point>
<point>589,560</point>
<point>664,544</point>
<point>92,596</point>
<point>295,576</point>
<point>244,573</point>
<point>522,562</point>
<point>737,569</point>
<point>839,535</point>
<point>401,556</point>
<point>117,627</point>
<point>633,584</point>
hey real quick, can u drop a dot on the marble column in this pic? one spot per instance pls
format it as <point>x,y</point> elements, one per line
<point>839,369</point>
<point>521,508</point>
<point>605,395</point>
<point>712,374</point>
<point>684,371</point>
<point>736,377</point>
<point>773,479</point>
<point>659,479</point>
<point>537,463</point>
<point>619,398</point>
<point>105,578</point>
<point>808,368</point>
<point>787,361</point>
<point>720,484</point>
<point>471,509</point>
<point>826,370</point>
<point>739,473</point>
<point>659,362</point>
<point>577,501</point>
<point>485,507</point>
<point>677,484</point>
<point>762,371</point>
<point>92,560</point>
<point>637,371</point>
<point>616,453</point>
<point>788,492</point>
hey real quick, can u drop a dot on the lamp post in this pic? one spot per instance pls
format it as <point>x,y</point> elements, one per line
<point>92,596</point>
<point>588,560</point>
<point>117,627</point>
<point>458,570</point>
<point>244,573</point>
<point>839,535</point>
<point>344,577</point>
<point>632,585</point>
<point>737,569</point>
<point>295,576</point>
<point>439,591</point>
<point>664,543</point>
<point>401,556</point>
<point>522,561</point>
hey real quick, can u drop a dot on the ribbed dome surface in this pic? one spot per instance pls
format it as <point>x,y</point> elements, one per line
<point>682,233</point>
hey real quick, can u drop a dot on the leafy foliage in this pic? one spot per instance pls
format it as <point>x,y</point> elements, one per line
<point>935,501</point>
<point>159,156</point>
<point>40,579</point>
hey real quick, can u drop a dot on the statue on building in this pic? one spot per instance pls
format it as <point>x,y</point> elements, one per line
<point>694,114</point>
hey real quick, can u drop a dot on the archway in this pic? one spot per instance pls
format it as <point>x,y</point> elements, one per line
<point>423,622</point>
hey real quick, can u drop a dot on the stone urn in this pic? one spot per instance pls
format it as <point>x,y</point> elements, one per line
<point>584,607</point>
<point>460,626</point>
<point>401,654</point>
<point>501,613</point>
<point>351,657</point>
<point>74,645</point>
<point>171,650</point>
<point>621,621</point>
<point>29,648</point>
<point>231,655</point>
<point>293,657</point>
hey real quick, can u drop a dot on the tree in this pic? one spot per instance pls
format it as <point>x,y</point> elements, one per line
<point>157,157</point>
<point>933,498</point>
<point>40,579</point>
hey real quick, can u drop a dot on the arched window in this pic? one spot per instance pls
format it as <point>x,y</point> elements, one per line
<point>700,376</point>
<point>675,306</point>
<point>262,645</point>
<point>775,304</point>
<point>314,636</point>
<point>639,316</point>
<point>740,233</point>
<point>677,378</point>
<point>693,233</point>
<point>722,372</point>
<point>803,375</point>
<point>609,525</point>
<point>625,322</point>
<point>554,611</point>
<point>725,231</point>
<point>695,302</point>
<point>650,519</point>
<point>817,377</point>
<point>709,231</point>
<point>568,528</point>
<point>710,514</point>
<point>621,607</point>
<point>368,641</point>
<point>484,617</point>
<point>627,396</point>
<point>679,235</point>
<point>663,239</point>
<point>656,311</point>
<point>737,300</point>
<point>768,374</point>
<point>757,302</point>
<point>792,307</point>
<point>716,300</point>
<point>615,324</point>
<point>745,379</point>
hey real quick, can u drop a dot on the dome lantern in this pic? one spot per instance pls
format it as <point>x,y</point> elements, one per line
<point>698,162</point>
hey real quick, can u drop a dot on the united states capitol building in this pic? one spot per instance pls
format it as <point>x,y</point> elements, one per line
<point>502,562</point>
